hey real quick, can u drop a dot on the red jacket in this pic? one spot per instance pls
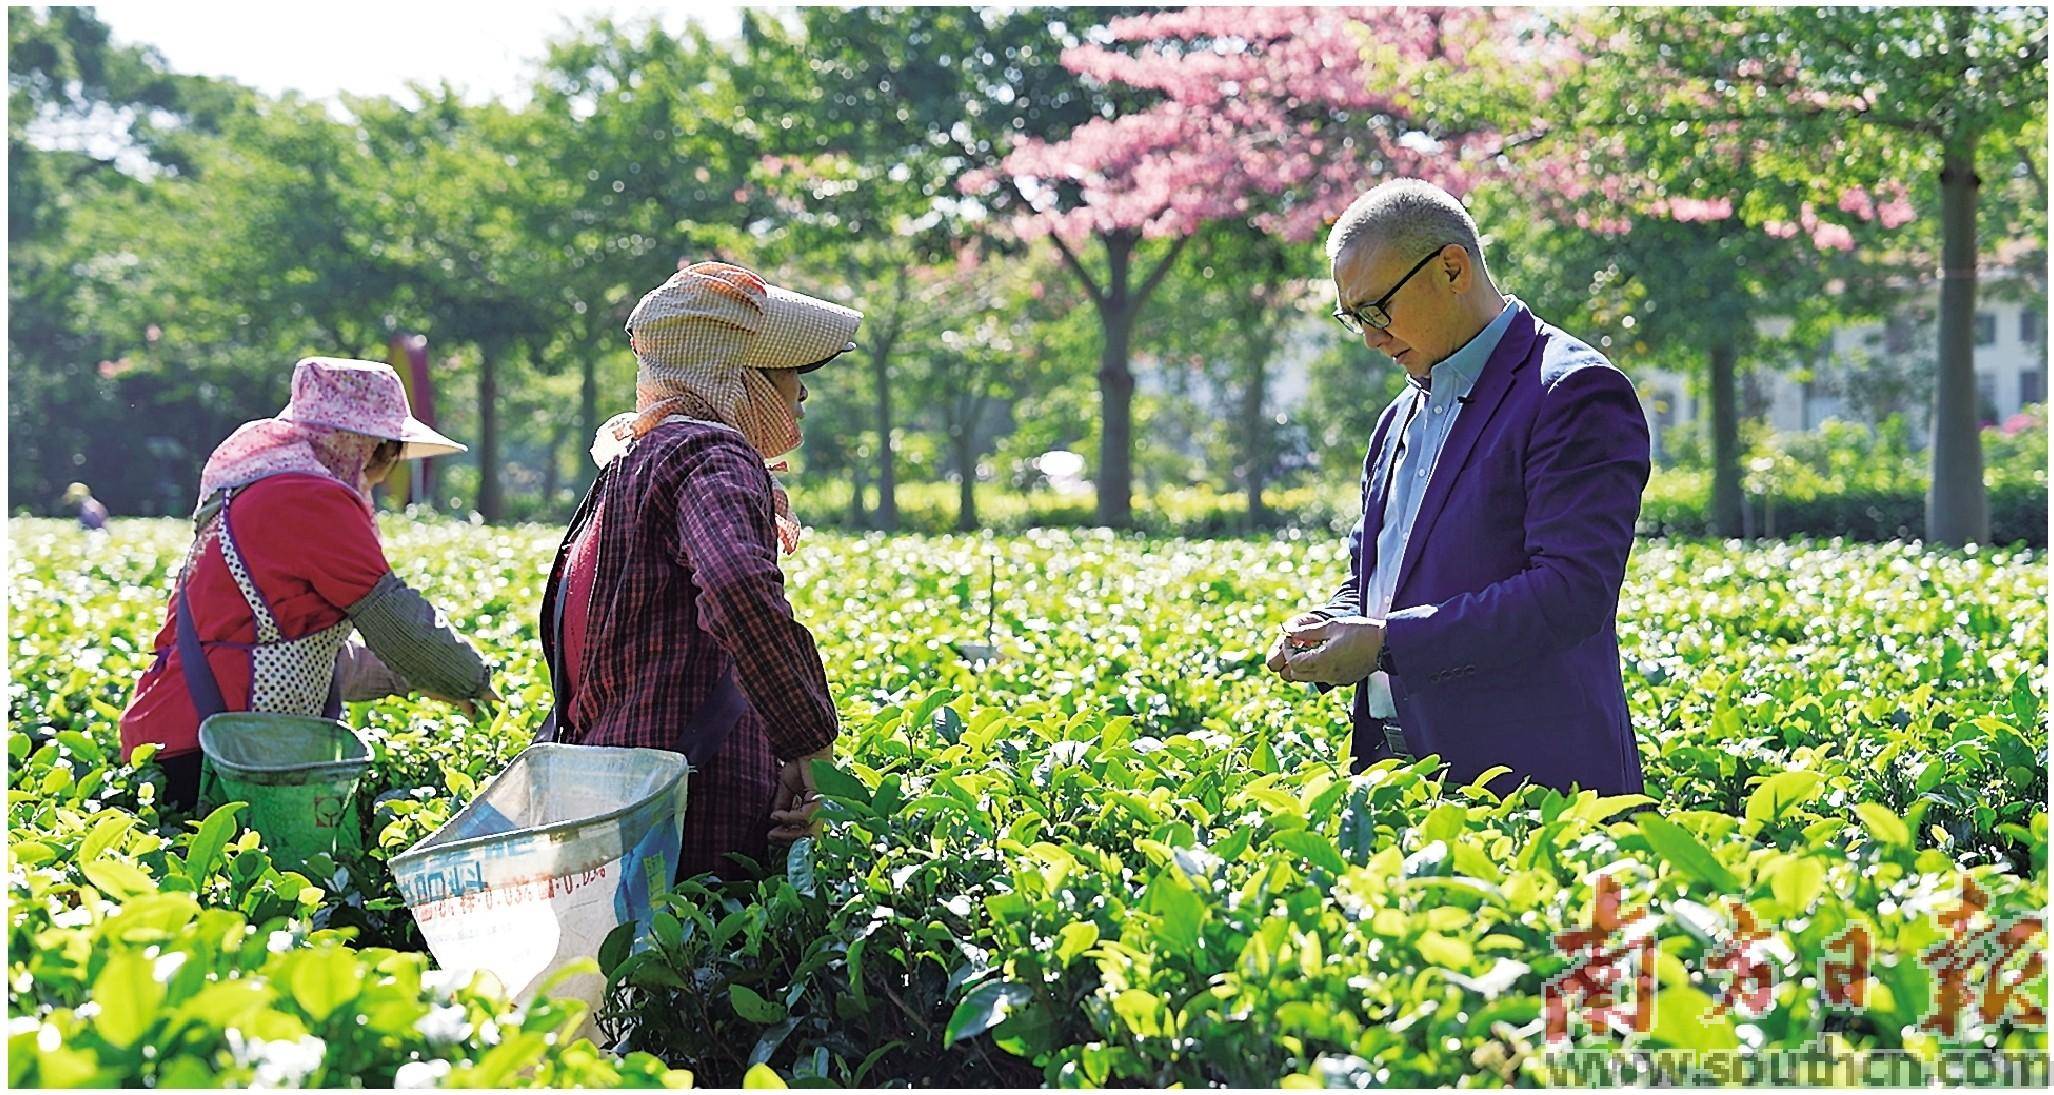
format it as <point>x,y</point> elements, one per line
<point>311,548</point>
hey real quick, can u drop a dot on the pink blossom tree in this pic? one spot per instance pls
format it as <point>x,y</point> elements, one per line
<point>1270,116</point>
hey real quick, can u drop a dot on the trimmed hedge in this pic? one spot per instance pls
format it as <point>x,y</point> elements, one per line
<point>2018,513</point>
<point>1677,504</point>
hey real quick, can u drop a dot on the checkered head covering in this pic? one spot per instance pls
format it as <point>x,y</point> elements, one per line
<point>701,341</point>
<point>701,338</point>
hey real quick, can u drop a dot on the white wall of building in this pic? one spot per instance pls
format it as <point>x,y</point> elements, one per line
<point>2011,372</point>
<point>2011,369</point>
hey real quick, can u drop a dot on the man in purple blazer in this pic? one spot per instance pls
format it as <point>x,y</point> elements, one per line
<point>1479,618</point>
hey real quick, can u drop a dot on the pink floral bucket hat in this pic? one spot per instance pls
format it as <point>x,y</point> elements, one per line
<point>363,397</point>
<point>340,410</point>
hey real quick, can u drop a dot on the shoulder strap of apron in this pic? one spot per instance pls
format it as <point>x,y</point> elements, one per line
<point>260,608</point>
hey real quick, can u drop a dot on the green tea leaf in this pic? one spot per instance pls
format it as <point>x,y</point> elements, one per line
<point>1481,784</point>
<point>128,993</point>
<point>1074,940</point>
<point>1796,882</point>
<point>837,783</point>
<point>1681,850</point>
<point>799,866</point>
<point>1882,824</point>
<point>983,1008</point>
<point>1777,794</point>
<point>118,879</point>
<point>324,980</point>
<point>614,949</point>
<point>104,836</point>
<point>213,835</point>
<point>1143,1012</point>
<point>752,1006</point>
<point>1684,1019</point>
<point>665,927</point>
<point>1445,951</point>
<point>1180,912</point>
<point>153,917</point>
<point>1443,822</point>
<point>924,713</point>
<point>1317,848</point>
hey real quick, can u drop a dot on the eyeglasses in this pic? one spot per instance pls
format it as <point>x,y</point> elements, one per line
<point>1377,313</point>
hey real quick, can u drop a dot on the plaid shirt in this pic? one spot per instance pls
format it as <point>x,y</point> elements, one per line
<point>687,585</point>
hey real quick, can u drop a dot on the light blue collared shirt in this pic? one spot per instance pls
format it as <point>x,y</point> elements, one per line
<point>1424,426</point>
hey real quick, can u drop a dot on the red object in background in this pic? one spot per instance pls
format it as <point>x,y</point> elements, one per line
<point>410,360</point>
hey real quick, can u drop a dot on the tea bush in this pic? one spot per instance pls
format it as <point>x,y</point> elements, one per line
<point>1119,854</point>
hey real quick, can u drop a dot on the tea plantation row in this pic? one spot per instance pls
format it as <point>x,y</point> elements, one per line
<point>1120,854</point>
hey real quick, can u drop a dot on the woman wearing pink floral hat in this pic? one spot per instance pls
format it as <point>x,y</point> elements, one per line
<point>665,621</point>
<point>286,564</point>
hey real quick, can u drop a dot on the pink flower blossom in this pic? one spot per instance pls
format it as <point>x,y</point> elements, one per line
<point>1833,237</point>
<point>1279,111</point>
<point>1700,209</point>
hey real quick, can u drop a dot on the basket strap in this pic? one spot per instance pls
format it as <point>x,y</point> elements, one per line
<point>192,661</point>
<point>711,722</point>
<point>553,653</point>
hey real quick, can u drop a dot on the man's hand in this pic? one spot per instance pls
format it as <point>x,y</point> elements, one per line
<point>797,798</point>
<point>1346,650</point>
<point>1285,638</point>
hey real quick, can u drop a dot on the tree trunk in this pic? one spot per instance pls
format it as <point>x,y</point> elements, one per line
<point>966,469</point>
<point>1725,406</point>
<point>1116,388</point>
<point>1255,434</point>
<point>1957,509</point>
<point>552,466</point>
<point>859,481</point>
<point>1116,410</point>
<point>588,417</point>
<point>887,512</point>
<point>491,506</point>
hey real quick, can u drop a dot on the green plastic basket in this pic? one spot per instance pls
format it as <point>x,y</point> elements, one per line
<point>298,774</point>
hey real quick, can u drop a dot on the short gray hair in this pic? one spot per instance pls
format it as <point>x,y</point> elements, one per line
<point>1411,216</point>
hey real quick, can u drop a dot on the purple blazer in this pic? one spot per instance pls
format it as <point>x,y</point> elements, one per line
<point>1503,635</point>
